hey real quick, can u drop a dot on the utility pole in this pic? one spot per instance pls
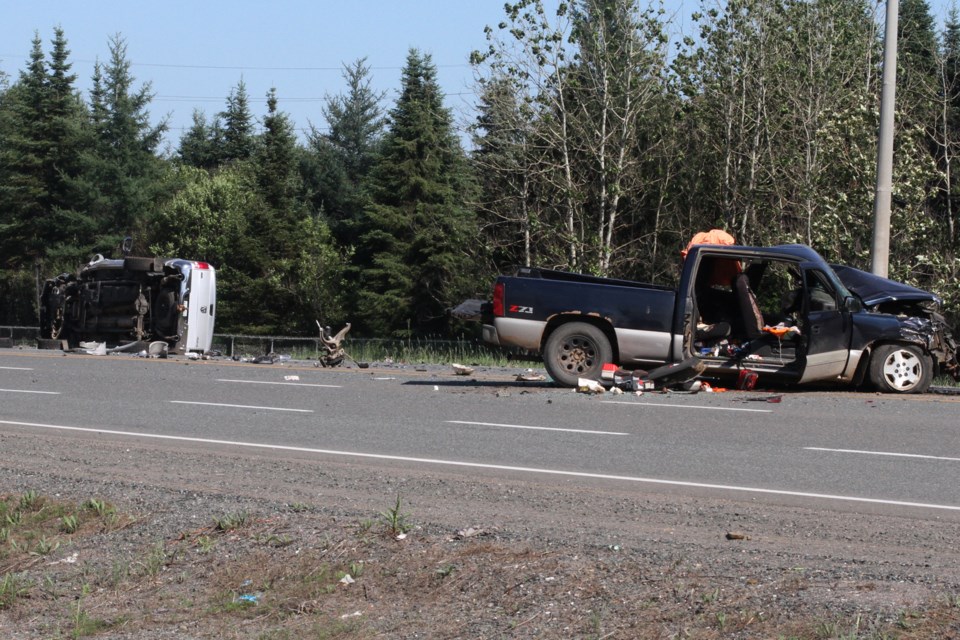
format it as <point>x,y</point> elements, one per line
<point>880,254</point>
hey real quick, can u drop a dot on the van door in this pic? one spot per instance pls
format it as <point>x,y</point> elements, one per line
<point>826,325</point>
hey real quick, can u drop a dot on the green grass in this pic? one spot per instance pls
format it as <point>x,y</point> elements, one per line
<point>412,351</point>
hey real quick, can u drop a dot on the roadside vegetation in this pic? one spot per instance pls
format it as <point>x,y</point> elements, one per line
<point>603,140</point>
<point>295,573</point>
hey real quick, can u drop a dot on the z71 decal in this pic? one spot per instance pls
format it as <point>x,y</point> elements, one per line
<point>516,308</point>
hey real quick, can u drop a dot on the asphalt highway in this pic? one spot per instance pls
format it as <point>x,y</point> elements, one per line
<point>841,450</point>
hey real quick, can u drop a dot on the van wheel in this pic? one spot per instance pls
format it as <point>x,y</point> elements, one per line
<point>576,350</point>
<point>897,368</point>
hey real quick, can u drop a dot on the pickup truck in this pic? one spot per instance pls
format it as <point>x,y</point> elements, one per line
<point>782,312</point>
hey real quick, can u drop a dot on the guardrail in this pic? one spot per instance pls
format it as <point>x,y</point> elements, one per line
<point>306,347</point>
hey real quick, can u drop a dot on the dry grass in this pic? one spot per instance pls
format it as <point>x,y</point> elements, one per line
<point>284,576</point>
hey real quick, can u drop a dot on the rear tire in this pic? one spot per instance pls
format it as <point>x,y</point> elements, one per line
<point>576,350</point>
<point>898,368</point>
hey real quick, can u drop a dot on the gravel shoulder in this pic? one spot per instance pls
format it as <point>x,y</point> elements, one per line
<point>484,556</point>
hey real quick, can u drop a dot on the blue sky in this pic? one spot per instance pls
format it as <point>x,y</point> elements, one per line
<point>194,52</point>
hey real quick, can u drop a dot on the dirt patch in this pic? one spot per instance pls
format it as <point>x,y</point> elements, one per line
<point>212,545</point>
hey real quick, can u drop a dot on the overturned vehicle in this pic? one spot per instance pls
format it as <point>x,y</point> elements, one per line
<point>126,302</point>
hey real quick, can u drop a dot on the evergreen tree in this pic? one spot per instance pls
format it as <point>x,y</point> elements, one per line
<point>413,255</point>
<point>43,136</point>
<point>339,161</point>
<point>201,146</point>
<point>278,177</point>
<point>239,141</point>
<point>23,191</point>
<point>124,173</point>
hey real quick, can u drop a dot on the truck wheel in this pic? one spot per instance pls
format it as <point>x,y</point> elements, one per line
<point>576,350</point>
<point>898,368</point>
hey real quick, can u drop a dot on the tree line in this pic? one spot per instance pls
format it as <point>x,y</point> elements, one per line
<point>600,145</point>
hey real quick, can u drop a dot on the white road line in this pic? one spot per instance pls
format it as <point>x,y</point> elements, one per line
<point>241,406</point>
<point>49,393</point>
<point>684,406</point>
<point>498,467</point>
<point>288,384</point>
<point>519,426</point>
<point>17,368</point>
<point>884,453</point>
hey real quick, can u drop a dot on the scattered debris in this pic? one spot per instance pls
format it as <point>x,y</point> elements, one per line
<point>469,532</point>
<point>469,310</point>
<point>530,376</point>
<point>193,355</point>
<point>776,398</point>
<point>462,370</point>
<point>747,380</point>
<point>93,348</point>
<point>333,346</point>
<point>71,559</point>
<point>291,378</point>
<point>351,615</point>
<point>347,579</point>
<point>589,386</point>
<point>158,349</point>
<point>736,535</point>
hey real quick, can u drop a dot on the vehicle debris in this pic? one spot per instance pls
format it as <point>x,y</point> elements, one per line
<point>530,376</point>
<point>462,370</point>
<point>334,353</point>
<point>585,385</point>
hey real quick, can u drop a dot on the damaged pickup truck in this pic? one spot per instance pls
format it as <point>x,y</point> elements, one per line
<point>130,301</point>
<point>781,312</point>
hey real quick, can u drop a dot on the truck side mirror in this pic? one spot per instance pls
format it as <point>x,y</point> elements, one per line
<point>852,304</point>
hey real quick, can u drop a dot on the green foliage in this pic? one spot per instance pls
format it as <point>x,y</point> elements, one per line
<point>411,260</point>
<point>337,164</point>
<point>395,520</point>
<point>43,135</point>
<point>123,174</point>
<point>590,153</point>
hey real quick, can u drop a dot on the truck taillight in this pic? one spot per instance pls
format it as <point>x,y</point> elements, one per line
<point>201,265</point>
<point>498,300</point>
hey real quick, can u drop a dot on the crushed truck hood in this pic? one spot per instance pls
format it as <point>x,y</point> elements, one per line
<point>875,290</point>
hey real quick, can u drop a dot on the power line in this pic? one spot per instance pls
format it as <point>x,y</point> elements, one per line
<point>244,67</point>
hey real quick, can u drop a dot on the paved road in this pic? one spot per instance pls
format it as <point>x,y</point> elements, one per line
<point>845,451</point>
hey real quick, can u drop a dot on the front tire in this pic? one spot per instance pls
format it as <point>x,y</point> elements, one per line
<point>897,368</point>
<point>576,350</point>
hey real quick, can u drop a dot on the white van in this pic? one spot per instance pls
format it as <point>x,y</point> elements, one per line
<point>131,300</point>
